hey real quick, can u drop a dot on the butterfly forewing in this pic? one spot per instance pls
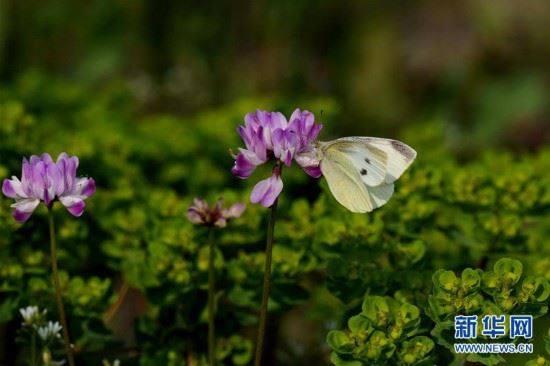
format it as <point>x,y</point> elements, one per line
<point>400,155</point>
<point>367,160</point>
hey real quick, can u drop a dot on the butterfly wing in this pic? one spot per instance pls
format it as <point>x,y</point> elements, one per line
<point>360,171</point>
<point>399,155</point>
<point>381,194</point>
<point>368,160</point>
<point>345,184</point>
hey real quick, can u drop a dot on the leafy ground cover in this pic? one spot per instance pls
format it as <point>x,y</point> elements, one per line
<point>378,288</point>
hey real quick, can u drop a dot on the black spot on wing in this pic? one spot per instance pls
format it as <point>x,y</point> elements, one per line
<point>363,171</point>
<point>367,160</point>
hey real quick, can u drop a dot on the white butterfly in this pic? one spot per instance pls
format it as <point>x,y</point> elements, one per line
<point>360,171</point>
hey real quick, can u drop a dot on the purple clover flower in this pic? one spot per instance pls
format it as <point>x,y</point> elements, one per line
<point>269,136</point>
<point>44,180</point>
<point>200,214</point>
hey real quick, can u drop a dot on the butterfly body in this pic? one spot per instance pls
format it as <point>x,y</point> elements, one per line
<point>360,171</point>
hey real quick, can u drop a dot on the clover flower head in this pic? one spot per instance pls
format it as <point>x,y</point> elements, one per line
<point>43,180</point>
<point>269,136</point>
<point>49,331</point>
<point>31,314</point>
<point>201,214</point>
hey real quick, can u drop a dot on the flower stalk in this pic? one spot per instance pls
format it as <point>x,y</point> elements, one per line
<point>33,349</point>
<point>212,217</point>
<point>211,299</point>
<point>269,136</point>
<point>55,275</point>
<point>266,285</point>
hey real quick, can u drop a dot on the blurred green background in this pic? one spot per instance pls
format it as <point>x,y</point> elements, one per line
<point>482,66</point>
<point>148,95</point>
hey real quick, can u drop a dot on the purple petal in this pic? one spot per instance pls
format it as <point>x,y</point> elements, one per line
<point>24,208</point>
<point>278,141</point>
<point>88,188</point>
<point>263,123</point>
<point>313,171</point>
<point>34,159</point>
<point>287,158</point>
<point>243,132</point>
<point>67,167</point>
<point>296,115</point>
<point>243,167</point>
<point>74,204</point>
<point>53,183</point>
<point>234,211</point>
<point>266,191</point>
<point>194,216</point>
<point>251,157</point>
<point>284,145</point>
<point>220,222</point>
<point>21,216</point>
<point>77,209</point>
<point>26,177</point>
<point>267,137</point>
<point>251,120</point>
<point>200,204</point>
<point>303,124</point>
<point>10,188</point>
<point>83,187</point>
<point>278,120</point>
<point>259,147</point>
<point>314,132</point>
<point>263,118</point>
<point>38,180</point>
<point>46,158</point>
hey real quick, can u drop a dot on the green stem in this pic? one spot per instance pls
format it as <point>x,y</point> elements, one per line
<point>33,349</point>
<point>267,285</point>
<point>62,317</point>
<point>211,298</point>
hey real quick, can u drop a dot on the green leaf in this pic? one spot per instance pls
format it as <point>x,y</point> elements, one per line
<point>485,358</point>
<point>359,323</point>
<point>377,310</point>
<point>7,308</point>
<point>470,280</point>
<point>340,342</point>
<point>445,280</point>
<point>338,361</point>
<point>509,269</point>
<point>415,350</point>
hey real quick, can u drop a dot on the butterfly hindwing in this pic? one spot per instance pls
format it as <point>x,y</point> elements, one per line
<point>381,194</point>
<point>346,186</point>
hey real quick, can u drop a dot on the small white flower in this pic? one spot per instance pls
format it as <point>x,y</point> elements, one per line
<point>49,331</point>
<point>31,314</point>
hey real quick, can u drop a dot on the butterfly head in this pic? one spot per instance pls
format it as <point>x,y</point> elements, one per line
<point>319,147</point>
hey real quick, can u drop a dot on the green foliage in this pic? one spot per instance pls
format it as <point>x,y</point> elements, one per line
<point>385,332</point>
<point>542,360</point>
<point>134,234</point>
<point>501,291</point>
